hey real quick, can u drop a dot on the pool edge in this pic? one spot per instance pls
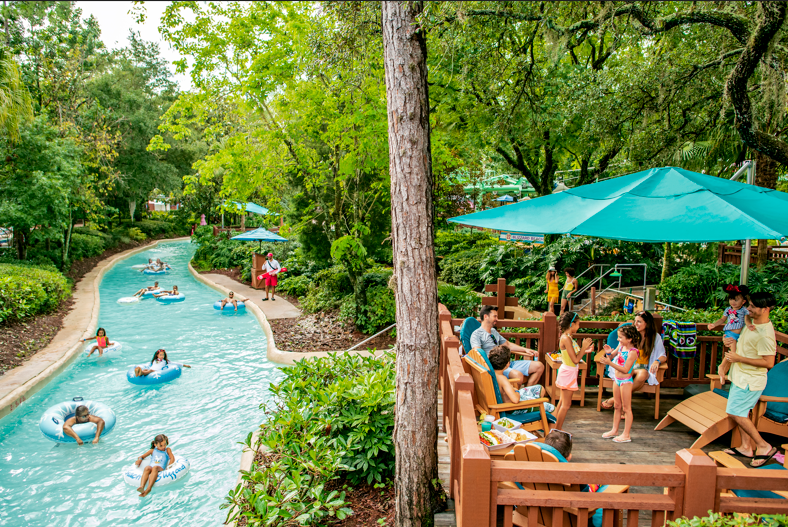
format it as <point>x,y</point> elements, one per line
<point>285,358</point>
<point>17,396</point>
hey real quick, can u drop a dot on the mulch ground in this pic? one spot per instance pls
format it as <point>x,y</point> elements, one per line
<point>21,340</point>
<point>322,332</point>
<point>369,504</point>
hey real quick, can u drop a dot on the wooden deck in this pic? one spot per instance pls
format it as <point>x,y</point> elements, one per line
<point>648,447</point>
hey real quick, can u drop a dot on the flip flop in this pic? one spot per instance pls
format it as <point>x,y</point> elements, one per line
<point>735,452</point>
<point>765,458</point>
<point>617,440</point>
<point>608,435</point>
<point>607,406</point>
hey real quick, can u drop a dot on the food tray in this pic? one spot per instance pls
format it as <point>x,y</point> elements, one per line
<point>506,441</point>
<point>504,423</point>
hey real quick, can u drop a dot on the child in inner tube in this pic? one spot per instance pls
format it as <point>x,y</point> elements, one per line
<point>174,292</point>
<point>157,363</point>
<point>102,342</point>
<point>162,266</point>
<point>153,287</point>
<point>81,416</point>
<point>161,459</point>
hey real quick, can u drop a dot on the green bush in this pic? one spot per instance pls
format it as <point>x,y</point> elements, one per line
<point>85,246</point>
<point>137,235</point>
<point>463,268</point>
<point>295,285</point>
<point>462,302</point>
<point>329,289</point>
<point>718,520</point>
<point>154,228</point>
<point>26,291</point>
<point>327,418</point>
<point>379,311</point>
<point>451,242</point>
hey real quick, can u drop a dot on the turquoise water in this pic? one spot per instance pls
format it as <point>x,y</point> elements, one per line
<point>205,413</point>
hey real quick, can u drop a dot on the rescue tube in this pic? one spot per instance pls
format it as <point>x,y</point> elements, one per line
<point>114,346</point>
<point>151,271</point>
<point>175,472</point>
<point>168,373</point>
<point>152,292</point>
<point>229,307</point>
<point>128,300</point>
<point>171,298</point>
<point>52,421</point>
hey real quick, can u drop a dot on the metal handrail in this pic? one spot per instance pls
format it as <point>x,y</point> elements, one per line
<point>610,288</point>
<point>592,282</point>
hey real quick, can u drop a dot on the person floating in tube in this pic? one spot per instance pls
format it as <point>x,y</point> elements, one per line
<point>82,416</point>
<point>172,292</point>
<point>154,287</point>
<point>232,300</point>
<point>272,269</point>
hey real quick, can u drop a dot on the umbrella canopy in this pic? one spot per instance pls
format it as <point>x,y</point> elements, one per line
<point>259,234</point>
<point>251,207</point>
<point>507,197</point>
<point>659,205</point>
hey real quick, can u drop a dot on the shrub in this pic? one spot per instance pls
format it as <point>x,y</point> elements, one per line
<point>718,520</point>
<point>327,418</point>
<point>329,289</point>
<point>451,242</point>
<point>463,268</point>
<point>295,285</point>
<point>85,246</point>
<point>153,228</point>
<point>378,312</point>
<point>26,291</point>
<point>137,235</point>
<point>460,301</point>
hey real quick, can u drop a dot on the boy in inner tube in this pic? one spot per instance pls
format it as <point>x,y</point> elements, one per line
<point>82,416</point>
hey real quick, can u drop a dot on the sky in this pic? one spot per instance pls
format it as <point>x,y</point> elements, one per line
<point>115,22</point>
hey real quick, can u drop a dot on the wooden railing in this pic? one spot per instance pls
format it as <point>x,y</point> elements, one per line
<point>474,477</point>
<point>732,254</point>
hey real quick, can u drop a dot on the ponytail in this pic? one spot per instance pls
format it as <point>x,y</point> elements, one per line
<point>158,439</point>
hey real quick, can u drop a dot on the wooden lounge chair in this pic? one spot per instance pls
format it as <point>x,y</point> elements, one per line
<point>705,412</point>
<point>607,382</point>
<point>490,399</point>
<point>728,461</point>
<point>536,452</point>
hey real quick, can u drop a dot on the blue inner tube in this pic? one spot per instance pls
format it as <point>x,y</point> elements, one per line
<point>229,307</point>
<point>171,298</point>
<point>52,421</point>
<point>151,271</point>
<point>151,293</point>
<point>168,373</point>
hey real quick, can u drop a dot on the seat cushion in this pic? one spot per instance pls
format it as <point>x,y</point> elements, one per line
<point>777,386</point>
<point>529,417</point>
<point>469,325</point>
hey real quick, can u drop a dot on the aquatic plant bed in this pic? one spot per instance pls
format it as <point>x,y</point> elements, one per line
<point>322,331</point>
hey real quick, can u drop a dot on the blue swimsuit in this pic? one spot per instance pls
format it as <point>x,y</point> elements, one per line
<point>159,458</point>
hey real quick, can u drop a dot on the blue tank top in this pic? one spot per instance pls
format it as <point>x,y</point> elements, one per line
<point>159,458</point>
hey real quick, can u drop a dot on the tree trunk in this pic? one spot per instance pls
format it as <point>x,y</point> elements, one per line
<point>667,260</point>
<point>67,241</point>
<point>20,239</point>
<point>765,176</point>
<point>410,166</point>
<point>132,208</point>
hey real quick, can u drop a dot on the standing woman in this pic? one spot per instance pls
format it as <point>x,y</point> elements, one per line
<point>652,354</point>
<point>569,287</point>
<point>552,288</point>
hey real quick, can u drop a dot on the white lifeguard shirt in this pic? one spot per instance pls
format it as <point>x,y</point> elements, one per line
<point>272,266</point>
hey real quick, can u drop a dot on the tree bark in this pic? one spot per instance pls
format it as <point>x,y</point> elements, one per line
<point>410,166</point>
<point>765,176</point>
<point>667,260</point>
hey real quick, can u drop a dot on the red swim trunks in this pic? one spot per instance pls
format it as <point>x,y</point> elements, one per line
<point>270,280</point>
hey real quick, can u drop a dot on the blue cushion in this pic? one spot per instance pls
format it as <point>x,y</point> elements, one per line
<point>775,416</point>
<point>468,327</point>
<point>528,417</point>
<point>724,393</point>
<point>761,493</point>
<point>777,386</point>
<point>612,338</point>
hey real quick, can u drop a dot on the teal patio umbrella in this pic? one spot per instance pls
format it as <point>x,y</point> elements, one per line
<point>260,234</point>
<point>658,205</point>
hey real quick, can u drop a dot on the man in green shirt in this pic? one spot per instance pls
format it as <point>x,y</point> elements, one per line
<point>751,357</point>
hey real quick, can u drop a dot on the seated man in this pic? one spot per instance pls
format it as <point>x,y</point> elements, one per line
<point>153,287</point>
<point>486,338</point>
<point>232,300</point>
<point>81,416</point>
<point>173,292</point>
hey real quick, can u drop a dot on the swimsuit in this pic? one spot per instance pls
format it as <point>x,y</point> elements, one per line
<point>621,360</point>
<point>552,291</point>
<point>102,342</point>
<point>159,458</point>
<point>568,288</point>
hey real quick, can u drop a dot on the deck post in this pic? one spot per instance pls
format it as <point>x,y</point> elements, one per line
<point>700,487</point>
<point>473,509</point>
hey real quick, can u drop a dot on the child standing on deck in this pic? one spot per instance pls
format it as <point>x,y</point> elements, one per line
<point>622,360</point>
<point>571,355</point>
<point>734,319</point>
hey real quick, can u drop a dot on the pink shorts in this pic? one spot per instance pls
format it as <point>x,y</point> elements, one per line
<point>567,378</point>
<point>270,280</point>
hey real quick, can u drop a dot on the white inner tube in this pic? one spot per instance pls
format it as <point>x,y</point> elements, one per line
<point>178,470</point>
<point>114,346</point>
<point>128,300</point>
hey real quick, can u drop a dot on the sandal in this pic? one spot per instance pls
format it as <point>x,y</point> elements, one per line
<point>608,404</point>
<point>735,452</point>
<point>608,435</point>
<point>764,458</point>
<point>617,440</point>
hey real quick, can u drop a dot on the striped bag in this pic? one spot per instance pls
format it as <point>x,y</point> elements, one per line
<point>680,338</point>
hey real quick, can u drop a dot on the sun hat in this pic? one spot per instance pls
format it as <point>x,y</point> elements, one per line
<point>552,268</point>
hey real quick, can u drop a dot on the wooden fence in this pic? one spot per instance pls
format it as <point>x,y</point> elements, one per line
<point>732,254</point>
<point>474,478</point>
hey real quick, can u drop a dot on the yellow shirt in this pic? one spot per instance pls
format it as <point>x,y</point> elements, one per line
<point>565,355</point>
<point>753,345</point>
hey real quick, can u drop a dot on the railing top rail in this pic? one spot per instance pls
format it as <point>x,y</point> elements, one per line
<point>585,500</point>
<point>747,478</point>
<point>599,473</point>
<point>505,323</point>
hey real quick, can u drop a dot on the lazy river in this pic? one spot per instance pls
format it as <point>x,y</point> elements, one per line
<point>205,412</point>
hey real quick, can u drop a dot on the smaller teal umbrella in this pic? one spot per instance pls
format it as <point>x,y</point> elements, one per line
<point>260,234</point>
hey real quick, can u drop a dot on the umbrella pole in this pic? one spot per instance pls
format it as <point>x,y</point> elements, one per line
<point>745,257</point>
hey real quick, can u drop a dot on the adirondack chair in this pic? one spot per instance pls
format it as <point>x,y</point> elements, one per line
<point>469,325</point>
<point>705,412</point>
<point>538,452</point>
<point>729,461</point>
<point>607,382</point>
<point>490,400</point>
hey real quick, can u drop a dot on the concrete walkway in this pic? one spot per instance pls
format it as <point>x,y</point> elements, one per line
<point>280,308</point>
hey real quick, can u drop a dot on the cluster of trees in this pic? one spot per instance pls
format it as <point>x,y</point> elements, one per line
<point>76,121</point>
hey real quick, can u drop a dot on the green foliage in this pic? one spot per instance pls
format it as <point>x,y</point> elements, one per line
<point>85,246</point>
<point>462,302</point>
<point>295,285</point>
<point>330,287</point>
<point>378,312</point>
<point>452,242</point>
<point>723,520</point>
<point>463,268</point>
<point>26,290</point>
<point>136,234</point>
<point>327,418</point>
